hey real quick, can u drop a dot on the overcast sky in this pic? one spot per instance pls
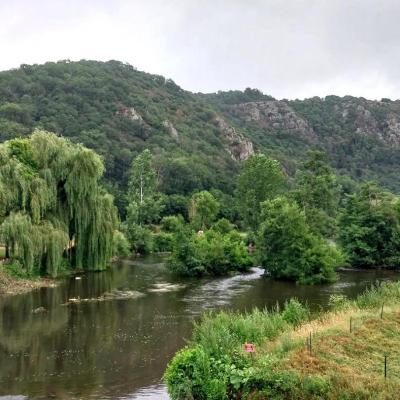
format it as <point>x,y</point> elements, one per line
<point>286,48</point>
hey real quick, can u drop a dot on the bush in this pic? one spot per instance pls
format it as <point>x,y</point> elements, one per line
<point>294,312</point>
<point>162,242</point>
<point>286,245</point>
<point>121,247</point>
<point>223,226</point>
<point>189,376</point>
<point>211,253</point>
<point>140,238</point>
<point>172,223</point>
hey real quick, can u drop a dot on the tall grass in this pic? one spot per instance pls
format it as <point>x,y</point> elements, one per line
<point>215,366</point>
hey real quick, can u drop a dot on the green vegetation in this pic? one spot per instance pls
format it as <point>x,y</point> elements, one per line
<point>290,249</point>
<point>341,364</point>
<point>318,193</point>
<point>91,102</point>
<point>52,208</point>
<point>370,228</point>
<point>260,179</point>
<point>171,168</point>
<point>215,251</point>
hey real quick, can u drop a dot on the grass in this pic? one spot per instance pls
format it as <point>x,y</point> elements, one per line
<point>341,364</point>
<point>2,252</point>
<point>351,363</point>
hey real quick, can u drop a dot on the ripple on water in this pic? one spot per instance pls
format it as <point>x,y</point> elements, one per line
<point>165,287</point>
<point>158,392</point>
<point>20,397</point>
<point>219,292</point>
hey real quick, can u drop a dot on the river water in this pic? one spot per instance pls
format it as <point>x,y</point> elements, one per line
<point>109,335</point>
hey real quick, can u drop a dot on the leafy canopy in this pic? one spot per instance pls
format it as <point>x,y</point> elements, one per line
<point>288,248</point>
<point>52,206</point>
<point>260,179</point>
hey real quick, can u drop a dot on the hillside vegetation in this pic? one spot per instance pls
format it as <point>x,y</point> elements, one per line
<point>198,140</point>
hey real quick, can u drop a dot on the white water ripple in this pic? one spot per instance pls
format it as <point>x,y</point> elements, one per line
<point>219,292</point>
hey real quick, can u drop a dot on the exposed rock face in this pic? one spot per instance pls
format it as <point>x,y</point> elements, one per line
<point>276,115</point>
<point>171,129</point>
<point>129,112</point>
<point>386,128</point>
<point>238,147</point>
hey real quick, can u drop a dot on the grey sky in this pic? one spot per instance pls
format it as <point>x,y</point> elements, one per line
<point>287,48</point>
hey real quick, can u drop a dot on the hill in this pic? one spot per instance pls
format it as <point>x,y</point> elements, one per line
<point>198,139</point>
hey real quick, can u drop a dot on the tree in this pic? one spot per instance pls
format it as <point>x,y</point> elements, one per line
<point>318,193</point>
<point>203,209</point>
<point>212,253</point>
<point>52,206</point>
<point>260,179</point>
<point>370,227</point>
<point>288,249</point>
<point>142,189</point>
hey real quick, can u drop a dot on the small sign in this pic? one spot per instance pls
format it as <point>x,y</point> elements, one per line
<point>249,348</point>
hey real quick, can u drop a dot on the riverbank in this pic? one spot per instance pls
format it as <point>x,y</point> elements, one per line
<point>346,358</point>
<point>10,285</point>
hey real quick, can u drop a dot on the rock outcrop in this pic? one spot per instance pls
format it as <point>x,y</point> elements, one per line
<point>238,146</point>
<point>276,116</point>
<point>171,129</point>
<point>130,113</point>
<point>372,118</point>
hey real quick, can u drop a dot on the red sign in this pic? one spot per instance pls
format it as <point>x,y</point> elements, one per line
<point>249,348</point>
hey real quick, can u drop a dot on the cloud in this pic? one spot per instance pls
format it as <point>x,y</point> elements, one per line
<point>291,49</point>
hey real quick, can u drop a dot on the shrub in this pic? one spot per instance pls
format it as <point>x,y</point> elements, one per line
<point>172,223</point>
<point>294,312</point>
<point>162,242</point>
<point>211,253</point>
<point>121,247</point>
<point>223,226</point>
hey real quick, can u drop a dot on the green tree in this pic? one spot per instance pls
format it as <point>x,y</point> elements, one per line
<point>203,209</point>
<point>260,179</point>
<point>52,206</point>
<point>318,193</point>
<point>288,249</point>
<point>370,227</point>
<point>144,202</point>
<point>143,196</point>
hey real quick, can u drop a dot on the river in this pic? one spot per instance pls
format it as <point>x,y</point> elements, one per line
<point>109,335</point>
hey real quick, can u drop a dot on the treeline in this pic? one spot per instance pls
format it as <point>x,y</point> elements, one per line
<point>119,112</point>
<point>301,229</point>
<point>55,214</point>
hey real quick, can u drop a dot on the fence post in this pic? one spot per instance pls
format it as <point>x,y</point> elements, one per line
<point>385,366</point>
<point>310,344</point>
<point>382,311</point>
<point>351,324</point>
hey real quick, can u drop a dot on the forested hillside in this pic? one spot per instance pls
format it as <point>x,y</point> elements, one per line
<point>197,140</point>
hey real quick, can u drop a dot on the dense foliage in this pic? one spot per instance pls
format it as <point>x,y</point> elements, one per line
<point>119,112</point>
<point>91,103</point>
<point>318,193</point>
<point>260,179</point>
<point>370,228</point>
<point>216,251</point>
<point>52,207</point>
<point>290,250</point>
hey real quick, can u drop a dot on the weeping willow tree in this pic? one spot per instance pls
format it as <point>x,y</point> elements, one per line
<point>52,208</point>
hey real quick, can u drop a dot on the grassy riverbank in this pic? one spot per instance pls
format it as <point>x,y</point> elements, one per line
<point>343,362</point>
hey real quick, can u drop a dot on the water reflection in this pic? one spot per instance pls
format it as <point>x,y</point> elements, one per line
<point>118,349</point>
